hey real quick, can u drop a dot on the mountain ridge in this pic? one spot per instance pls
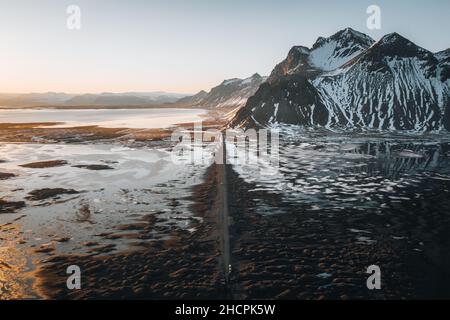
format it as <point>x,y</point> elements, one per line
<point>54,99</point>
<point>325,54</point>
<point>231,93</point>
<point>391,84</point>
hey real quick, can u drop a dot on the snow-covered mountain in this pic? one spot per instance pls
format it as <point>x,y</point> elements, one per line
<point>325,55</point>
<point>230,93</point>
<point>194,100</point>
<point>349,81</point>
<point>444,64</point>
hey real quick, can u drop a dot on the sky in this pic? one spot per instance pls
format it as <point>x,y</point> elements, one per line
<point>183,45</point>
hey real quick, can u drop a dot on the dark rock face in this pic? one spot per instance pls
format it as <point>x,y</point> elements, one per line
<point>303,106</point>
<point>10,207</point>
<point>6,175</point>
<point>94,167</point>
<point>45,164</point>
<point>444,64</point>
<point>347,81</point>
<point>395,46</point>
<point>444,71</point>
<point>325,54</point>
<point>230,93</point>
<point>46,193</point>
<point>295,62</point>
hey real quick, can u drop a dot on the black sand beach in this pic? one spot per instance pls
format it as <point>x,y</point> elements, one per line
<point>271,245</point>
<point>187,266</point>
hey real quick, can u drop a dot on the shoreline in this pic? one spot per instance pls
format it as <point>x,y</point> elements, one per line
<point>186,266</point>
<point>299,254</point>
<point>101,107</point>
<point>44,132</point>
<point>182,240</point>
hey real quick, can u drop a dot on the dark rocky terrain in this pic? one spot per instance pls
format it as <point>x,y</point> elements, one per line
<point>185,266</point>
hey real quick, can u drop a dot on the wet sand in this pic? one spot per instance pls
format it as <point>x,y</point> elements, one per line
<point>278,246</point>
<point>302,255</point>
<point>273,257</point>
<point>133,255</point>
<point>187,266</point>
<point>45,133</point>
<point>299,255</point>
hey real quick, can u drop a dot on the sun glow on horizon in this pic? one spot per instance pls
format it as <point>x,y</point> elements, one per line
<point>180,46</point>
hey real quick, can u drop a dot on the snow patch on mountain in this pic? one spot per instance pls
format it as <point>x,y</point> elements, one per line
<point>325,55</point>
<point>329,54</point>
<point>389,85</point>
<point>230,93</point>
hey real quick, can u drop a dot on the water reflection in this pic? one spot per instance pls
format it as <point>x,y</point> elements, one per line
<point>328,172</point>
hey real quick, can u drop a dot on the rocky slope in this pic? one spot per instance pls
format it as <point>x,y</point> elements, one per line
<point>230,93</point>
<point>325,54</point>
<point>349,81</point>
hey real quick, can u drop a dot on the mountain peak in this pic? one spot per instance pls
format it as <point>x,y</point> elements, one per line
<point>227,82</point>
<point>320,41</point>
<point>392,84</point>
<point>351,32</point>
<point>394,44</point>
<point>348,29</point>
<point>330,53</point>
<point>393,37</point>
<point>325,55</point>
<point>443,55</point>
<point>232,92</point>
<point>299,50</point>
<point>346,36</point>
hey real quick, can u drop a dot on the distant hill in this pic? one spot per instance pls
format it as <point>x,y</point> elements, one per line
<point>54,99</point>
<point>230,93</point>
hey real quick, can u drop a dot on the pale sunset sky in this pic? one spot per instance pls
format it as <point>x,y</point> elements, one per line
<point>183,45</point>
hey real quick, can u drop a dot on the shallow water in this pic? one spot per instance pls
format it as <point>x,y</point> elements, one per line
<point>377,188</point>
<point>338,203</point>
<point>329,172</point>
<point>143,182</point>
<point>111,118</point>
